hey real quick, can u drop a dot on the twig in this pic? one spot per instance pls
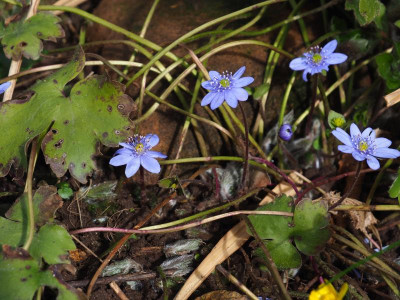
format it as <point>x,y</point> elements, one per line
<point>116,278</point>
<point>236,282</point>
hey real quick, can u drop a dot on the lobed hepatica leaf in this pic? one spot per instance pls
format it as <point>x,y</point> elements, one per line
<point>21,276</point>
<point>14,227</point>
<point>310,231</point>
<point>96,111</point>
<point>276,231</point>
<point>24,37</point>
<point>308,228</point>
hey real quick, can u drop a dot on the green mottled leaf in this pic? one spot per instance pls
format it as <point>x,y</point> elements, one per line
<point>45,203</point>
<point>366,11</point>
<point>95,111</point>
<point>310,230</point>
<point>14,227</point>
<point>24,37</point>
<point>389,68</point>
<point>12,233</point>
<point>21,276</point>
<point>52,242</point>
<point>369,9</point>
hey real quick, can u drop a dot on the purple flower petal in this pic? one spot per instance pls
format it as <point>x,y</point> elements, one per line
<point>231,99</point>
<point>152,139</point>
<point>373,163</point>
<point>207,85</point>
<point>124,151</point>
<point>298,64</point>
<point>386,153</point>
<point>214,74</point>
<point>345,149</point>
<point>120,160</point>
<point>156,154</point>
<point>132,167</point>
<point>382,142</point>
<point>126,145</point>
<point>4,86</point>
<point>240,93</point>
<point>336,58</point>
<point>358,156</point>
<point>354,131</point>
<point>239,73</point>
<point>367,132</point>
<point>342,136</point>
<point>329,48</point>
<point>150,164</point>
<point>208,98</point>
<point>306,71</point>
<point>217,101</point>
<point>243,81</point>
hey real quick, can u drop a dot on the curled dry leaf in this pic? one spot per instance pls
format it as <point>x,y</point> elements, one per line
<point>361,220</point>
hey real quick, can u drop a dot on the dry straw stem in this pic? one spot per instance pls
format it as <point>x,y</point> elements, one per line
<point>392,98</point>
<point>227,245</point>
<point>16,64</point>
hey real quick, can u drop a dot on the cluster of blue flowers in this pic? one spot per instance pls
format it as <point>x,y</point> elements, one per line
<point>229,88</point>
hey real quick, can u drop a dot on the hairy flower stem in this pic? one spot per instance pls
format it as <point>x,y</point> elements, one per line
<point>246,152</point>
<point>28,190</point>
<point>351,188</point>
<point>272,166</point>
<point>270,263</point>
<point>142,185</point>
<point>313,100</point>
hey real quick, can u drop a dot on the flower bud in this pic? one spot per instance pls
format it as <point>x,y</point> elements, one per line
<point>285,132</point>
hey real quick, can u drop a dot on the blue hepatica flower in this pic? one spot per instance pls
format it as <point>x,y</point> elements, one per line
<point>226,87</point>
<point>136,153</point>
<point>4,86</point>
<point>365,146</point>
<point>317,59</point>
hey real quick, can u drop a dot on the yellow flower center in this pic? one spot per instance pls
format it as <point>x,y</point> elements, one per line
<point>317,58</point>
<point>225,83</point>
<point>139,148</point>
<point>338,122</point>
<point>362,146</point>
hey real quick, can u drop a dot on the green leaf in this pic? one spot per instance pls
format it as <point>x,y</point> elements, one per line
<point>284,255</point>
<point>335,119</point>
<point>45,203</point>
<point>366,11</point>
<point>96,111</point>
<point>310,230</point>
<point>24,37</point>
<point>261,90</point>
<point>21,276</point>
<point>394,191</point>
<point>12,233</point>
<point>64,190</point>
<point>52,242</point>
<point>276,231</point>
<point>397,23</point>
<point>14,227</point>
<point>389,69</point>
<point>369,9</point>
